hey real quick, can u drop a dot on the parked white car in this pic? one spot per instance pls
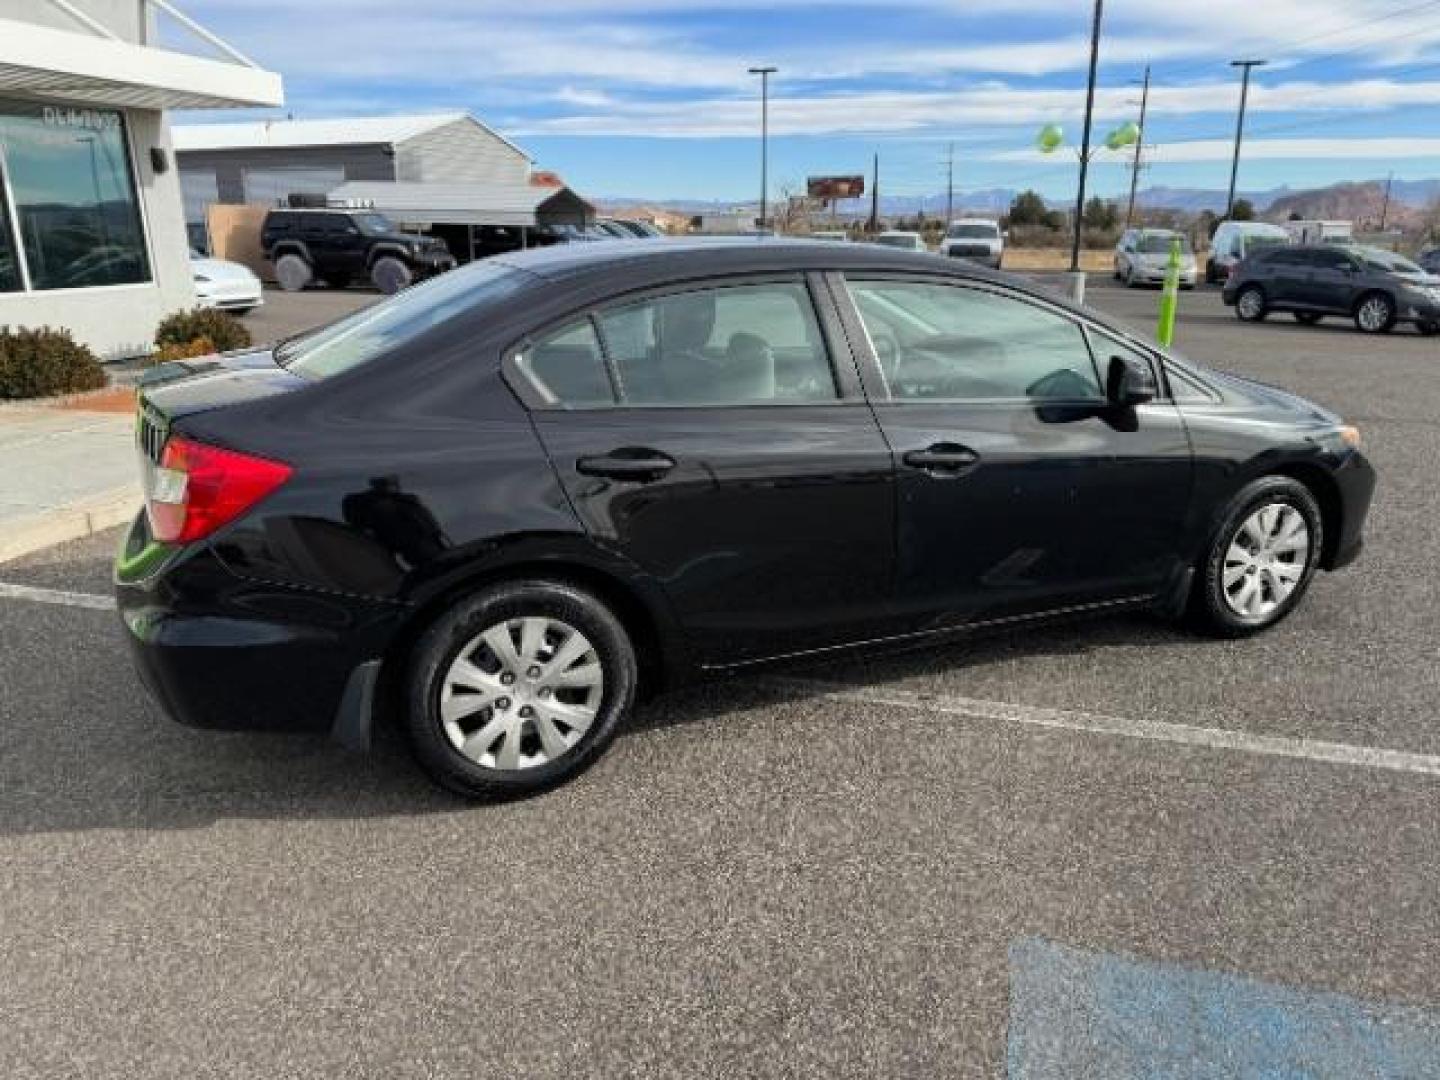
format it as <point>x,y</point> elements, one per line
<point>1143,255</point>
<point>899,238</point>
<point>223,284</point>
<point>977,239</point>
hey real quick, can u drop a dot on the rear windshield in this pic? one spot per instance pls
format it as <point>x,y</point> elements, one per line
<point>1159,244</point>
<point>1262,241</point>
<point>973,232</point>
<point>373,331</point>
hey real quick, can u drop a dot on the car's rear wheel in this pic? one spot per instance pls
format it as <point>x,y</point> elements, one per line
<point>390,275</point>
<point>1307,318</point>
<point>1375,314</point>
<point>518,688</point>
<point>293,272</point>
<point>1251,305</point>
<point>1428,329</point>
<point>1261,560</point>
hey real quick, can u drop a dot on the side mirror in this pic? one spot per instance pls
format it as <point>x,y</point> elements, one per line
<point>1130,382</point>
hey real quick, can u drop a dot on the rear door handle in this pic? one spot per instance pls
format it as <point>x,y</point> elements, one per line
<point>949,458</point>
<point>636,463</point>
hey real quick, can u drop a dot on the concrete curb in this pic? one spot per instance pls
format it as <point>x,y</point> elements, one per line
<point>74,522</point>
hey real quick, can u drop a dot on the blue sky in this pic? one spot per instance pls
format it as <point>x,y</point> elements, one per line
<point>650,98</point>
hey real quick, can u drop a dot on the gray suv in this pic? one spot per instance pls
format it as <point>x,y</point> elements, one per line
<point>1375,287</point>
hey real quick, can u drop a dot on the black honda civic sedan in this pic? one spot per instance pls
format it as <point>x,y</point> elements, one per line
<point>498,505</point>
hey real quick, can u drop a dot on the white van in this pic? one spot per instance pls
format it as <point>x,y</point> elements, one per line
<point>1237,240</point>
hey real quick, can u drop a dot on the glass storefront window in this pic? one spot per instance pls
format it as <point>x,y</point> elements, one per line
<point>77,213</point>
<point>9,263</point>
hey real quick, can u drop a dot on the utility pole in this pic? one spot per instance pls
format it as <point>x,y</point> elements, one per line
<point>764,73</point>
<point>1385,206</point>
<point>1085,139</point>
<point>950,187</point>
<point>875,198</point>
<point>1245,66</point>
<point>1139,147</point>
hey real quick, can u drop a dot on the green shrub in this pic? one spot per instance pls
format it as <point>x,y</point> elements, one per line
<point>45,362</point>
<point>199,347</point>
<point>223,330</point>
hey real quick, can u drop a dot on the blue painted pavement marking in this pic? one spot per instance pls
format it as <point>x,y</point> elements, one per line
<point>1076,1015</point>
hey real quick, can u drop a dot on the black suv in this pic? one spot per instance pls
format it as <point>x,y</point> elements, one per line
<point>1376,288</point>
<point>341,246</point>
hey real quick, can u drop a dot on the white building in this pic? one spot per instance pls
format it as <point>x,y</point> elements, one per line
<point>92,237</point>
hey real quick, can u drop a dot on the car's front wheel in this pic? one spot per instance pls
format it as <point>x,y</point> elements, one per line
<point>1428,329</point>
<point>1261,560</point>
<point>1251,305</point>
<point>390,275</point>
<point>1375,314</point>
<point>518,688</point>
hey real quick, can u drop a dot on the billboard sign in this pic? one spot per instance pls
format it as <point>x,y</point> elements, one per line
<point>830,188</point>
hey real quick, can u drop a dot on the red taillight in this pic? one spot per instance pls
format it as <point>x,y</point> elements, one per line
<point>197,488</point>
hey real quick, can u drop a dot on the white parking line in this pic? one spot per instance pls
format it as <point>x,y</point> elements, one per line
<point>1153,730</point>
<point>93,601</point>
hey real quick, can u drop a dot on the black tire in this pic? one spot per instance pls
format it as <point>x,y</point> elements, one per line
<point>1128,277</point>
<point>1308,318</point>
<point>1428,329</point>
<point>1210,608</point>
<point>293,272</point>
<point>390,275</point>
<point>1368,324</point>
<point>460,626</point>
<point>1259,312</point>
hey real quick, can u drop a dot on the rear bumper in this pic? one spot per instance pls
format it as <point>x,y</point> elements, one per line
<point>220,652</point>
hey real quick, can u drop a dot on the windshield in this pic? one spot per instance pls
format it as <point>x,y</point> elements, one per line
<point>373,224</point>
<point>1159,244</point>
<point>373,331</point>
<point>1380,259</point>
<point>973,232</point>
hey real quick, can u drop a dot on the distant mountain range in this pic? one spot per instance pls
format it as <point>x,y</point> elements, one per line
<point>1347,200</point>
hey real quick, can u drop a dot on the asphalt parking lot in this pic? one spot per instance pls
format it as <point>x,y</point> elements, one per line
<point>1039,854</point>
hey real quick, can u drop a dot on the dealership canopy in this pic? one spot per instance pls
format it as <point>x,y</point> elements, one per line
<point>41,61</point>
<point>467,204</point>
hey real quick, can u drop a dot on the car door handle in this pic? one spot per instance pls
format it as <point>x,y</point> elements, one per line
<point>942,458</point>
<point>636,463</point>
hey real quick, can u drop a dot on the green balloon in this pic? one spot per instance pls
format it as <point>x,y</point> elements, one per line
<point>1050,138</point>
<point>1127,134</point>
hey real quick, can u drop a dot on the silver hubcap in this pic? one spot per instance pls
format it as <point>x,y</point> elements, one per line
<point>1250,305</point>
<point>1374,313</point>
<point>522,693</point>
<point>1266,560</point>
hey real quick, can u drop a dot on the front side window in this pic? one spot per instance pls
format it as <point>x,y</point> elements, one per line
<point>79,222</point>
<point>737,345</point>
<point>951,343</point>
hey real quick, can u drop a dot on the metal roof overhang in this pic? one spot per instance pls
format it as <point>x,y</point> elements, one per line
<point>40,62</point>
<point>467,204</point>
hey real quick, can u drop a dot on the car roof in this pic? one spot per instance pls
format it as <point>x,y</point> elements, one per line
<point>700,256</point>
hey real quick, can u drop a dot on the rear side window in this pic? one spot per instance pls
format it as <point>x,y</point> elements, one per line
<point>952,343</point>
<point>567,367</point>
<point>393,324</point>
<point>734,345</point>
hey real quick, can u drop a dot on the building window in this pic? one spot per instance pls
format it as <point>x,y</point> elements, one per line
<point>68,174</point>
<point>273,187</point>
<point>10,280</point>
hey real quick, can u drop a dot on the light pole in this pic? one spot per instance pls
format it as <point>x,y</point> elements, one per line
<point>1085,138</point>
<point>1139,146</point>
<point>764,73</point>
<point>1245,66</point>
